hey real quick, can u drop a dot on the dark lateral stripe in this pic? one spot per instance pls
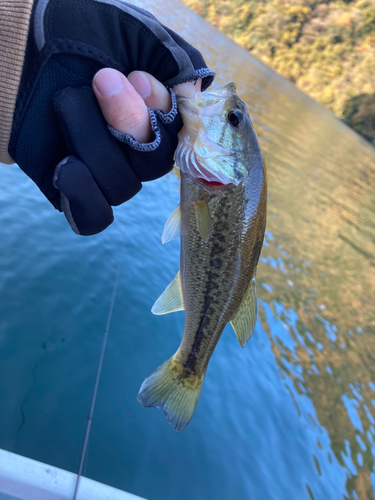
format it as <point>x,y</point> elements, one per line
<point>212,283</point>
<point>191,361</point>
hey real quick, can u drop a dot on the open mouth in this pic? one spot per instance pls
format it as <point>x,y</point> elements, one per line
<point>212,184</point>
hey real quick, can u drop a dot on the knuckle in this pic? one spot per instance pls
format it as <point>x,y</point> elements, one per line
<point>128,121</point>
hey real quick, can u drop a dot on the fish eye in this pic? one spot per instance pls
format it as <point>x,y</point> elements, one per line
<point>235,117</point>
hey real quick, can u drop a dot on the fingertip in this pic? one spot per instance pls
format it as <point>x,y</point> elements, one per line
<point>153,92</point>
<point>141,82</point>
<point>108,81</point>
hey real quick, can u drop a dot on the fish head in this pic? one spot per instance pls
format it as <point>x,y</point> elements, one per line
<point>217,140</point>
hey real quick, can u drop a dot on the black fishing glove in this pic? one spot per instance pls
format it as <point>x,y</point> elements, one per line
<point>60,138</point>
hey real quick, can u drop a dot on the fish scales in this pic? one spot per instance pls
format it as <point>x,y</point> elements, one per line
<point>219,265</point>
<point>222,219</point>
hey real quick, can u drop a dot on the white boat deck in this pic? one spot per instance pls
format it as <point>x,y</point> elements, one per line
<point>22,478</point>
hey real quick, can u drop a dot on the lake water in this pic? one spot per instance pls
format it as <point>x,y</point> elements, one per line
<point>292,416</point>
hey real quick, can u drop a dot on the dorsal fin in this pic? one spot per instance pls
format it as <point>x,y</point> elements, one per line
<point>171,299</point>
<point>244,320</point>
<point>172,226</point>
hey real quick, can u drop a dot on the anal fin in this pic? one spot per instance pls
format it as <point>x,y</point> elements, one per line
<point>171,299</point>
<point>244,320</point>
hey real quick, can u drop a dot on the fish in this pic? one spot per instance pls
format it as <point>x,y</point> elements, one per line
<point>221,221</point>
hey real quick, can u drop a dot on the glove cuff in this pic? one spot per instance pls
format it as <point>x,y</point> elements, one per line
<point>206,74</point>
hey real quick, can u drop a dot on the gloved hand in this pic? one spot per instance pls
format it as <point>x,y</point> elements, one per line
<point>59,136</point>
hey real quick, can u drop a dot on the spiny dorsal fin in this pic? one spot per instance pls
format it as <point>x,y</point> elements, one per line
<point>244,320</point>
<point>171,299</point>
<point>172,226</point>
<point>203,218</point>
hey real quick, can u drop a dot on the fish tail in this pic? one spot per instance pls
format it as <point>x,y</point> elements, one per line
<point>173,389</point>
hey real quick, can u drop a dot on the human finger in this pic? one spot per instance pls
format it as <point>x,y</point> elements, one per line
<point>122,106</point>
<point>153,92</point>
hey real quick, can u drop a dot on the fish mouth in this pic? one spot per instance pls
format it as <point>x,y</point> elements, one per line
<point>218,186</point>
<point>211,95</point>
<point>205,103</point>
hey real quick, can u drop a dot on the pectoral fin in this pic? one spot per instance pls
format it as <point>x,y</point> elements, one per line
<point>172,226</point>
<point>171,299</point>
<point>203,218</point>
<point>244,320</point>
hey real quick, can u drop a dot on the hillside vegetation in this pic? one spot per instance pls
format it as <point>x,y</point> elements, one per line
<point>327,49</point>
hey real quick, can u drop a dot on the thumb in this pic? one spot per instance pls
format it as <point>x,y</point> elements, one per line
<point>124,105</point>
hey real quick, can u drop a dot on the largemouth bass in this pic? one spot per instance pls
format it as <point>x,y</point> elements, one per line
<point>221,220</point>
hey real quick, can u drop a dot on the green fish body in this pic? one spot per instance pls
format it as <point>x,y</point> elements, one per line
<point>221,220</point>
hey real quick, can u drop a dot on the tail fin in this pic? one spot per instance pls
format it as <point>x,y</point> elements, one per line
<point>174,390</point>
